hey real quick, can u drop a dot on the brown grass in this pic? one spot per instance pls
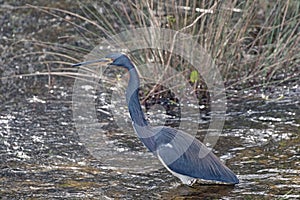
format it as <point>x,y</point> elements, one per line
<point>255,44</point>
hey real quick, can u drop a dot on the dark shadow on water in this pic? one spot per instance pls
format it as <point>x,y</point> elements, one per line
<point>199,192</point>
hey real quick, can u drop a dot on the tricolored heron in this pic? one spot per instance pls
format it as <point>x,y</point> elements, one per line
<point>183,155</point>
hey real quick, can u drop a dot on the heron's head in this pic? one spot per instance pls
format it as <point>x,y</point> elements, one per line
<point>116,59</point>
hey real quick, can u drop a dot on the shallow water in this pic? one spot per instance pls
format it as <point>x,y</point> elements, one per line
<point>44,157</point>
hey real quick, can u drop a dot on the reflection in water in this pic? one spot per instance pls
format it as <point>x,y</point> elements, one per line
<point>199,192</point>
<point>41,156</point>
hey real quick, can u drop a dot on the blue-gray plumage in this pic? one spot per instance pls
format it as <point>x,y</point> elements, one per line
<point>183,155</point>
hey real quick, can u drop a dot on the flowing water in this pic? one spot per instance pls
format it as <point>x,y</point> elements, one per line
<point>44,157</point>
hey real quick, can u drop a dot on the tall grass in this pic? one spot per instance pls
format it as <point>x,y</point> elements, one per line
<point>255,44</point>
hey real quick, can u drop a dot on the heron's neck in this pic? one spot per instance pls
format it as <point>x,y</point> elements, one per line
<point>132,98</point>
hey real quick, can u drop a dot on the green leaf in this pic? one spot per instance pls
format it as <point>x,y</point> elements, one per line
<point>171,19</point>
<point>194,76</point>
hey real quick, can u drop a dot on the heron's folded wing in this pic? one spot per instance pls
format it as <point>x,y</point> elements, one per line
<point>186,155</point>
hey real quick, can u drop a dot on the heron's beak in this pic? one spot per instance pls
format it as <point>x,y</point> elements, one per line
<point>102,61</point>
